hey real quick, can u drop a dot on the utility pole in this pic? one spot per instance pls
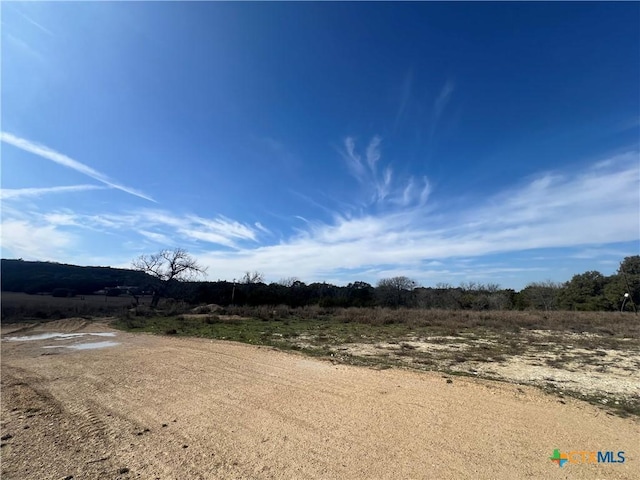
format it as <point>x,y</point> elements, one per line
<point>627,295</point>
<point>233,292</point>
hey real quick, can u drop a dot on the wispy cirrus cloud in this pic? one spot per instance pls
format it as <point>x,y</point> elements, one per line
<point>607,188</point>
<point>221,230</point>
<point>161,226</point>
<point>34,23</point>
<point>442,99</point>
<point>414,192</point>
<point>439,106</point>
<point>23,47</point>
<point>61,159</point>
<point>12,193</point>
<point>377,182</point>
<point>262,228</point>
<point>366,171</point>
<point>155,237</point>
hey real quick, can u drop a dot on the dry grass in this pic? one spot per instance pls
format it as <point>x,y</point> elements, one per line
<point>20,307</point>
<point>457,321</point>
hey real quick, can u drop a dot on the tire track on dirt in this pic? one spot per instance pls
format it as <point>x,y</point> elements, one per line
<point>75,436</point>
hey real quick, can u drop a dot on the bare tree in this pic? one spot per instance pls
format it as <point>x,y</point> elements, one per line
<point>288,281</point>
<point>166,266</point>
<point>250,278</point>
<point>469,286</point>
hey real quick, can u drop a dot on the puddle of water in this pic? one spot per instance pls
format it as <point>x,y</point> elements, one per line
<point>86,346</point>
<point>58,336</point>
<point>91,346</point>
<point>97,334</point>
<point>40,336</point>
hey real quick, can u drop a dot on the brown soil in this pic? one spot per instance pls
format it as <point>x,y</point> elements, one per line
<point>174,408</point>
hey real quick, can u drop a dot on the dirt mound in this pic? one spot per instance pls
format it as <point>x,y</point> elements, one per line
<point>11,328</point>
<point>66,325</point>
<point>204,309</point>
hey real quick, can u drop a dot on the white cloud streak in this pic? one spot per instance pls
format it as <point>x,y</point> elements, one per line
<point>439,106</point>
<point>442,99</point>
<point>34,23</point>
<point>49,154</point>
<point>155,237</point>
<point>160,226</point>
<point>221,231</point>
<point>24,47</point>
<point>12,193</point>
<point>373,153</point>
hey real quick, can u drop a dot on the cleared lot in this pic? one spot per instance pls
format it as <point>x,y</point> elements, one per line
<point>162,407</point>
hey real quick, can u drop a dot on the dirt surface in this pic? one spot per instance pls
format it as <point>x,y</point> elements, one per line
<point>174,408</point>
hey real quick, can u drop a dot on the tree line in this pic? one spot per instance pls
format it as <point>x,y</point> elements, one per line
<point>45,277</point>
<point>172,273</point>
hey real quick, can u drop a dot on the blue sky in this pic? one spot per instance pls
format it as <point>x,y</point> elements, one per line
<point>449,142</point>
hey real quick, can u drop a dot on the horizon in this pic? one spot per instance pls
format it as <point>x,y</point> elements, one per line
<point>332,142</point>
<point>472,286</point>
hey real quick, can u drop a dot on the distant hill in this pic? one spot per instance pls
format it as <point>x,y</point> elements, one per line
<point>34,277</point>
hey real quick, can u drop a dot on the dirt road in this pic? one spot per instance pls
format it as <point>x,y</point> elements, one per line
<point>171,408</point>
